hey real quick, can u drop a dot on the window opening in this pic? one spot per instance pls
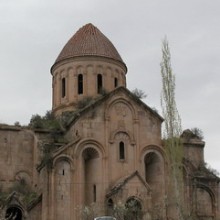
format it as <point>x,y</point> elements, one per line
<point>99,83</point>
<point>110,203</point>
<point>94,193</point>
<point>80,84</point>
<point>63,172</point>
<point>121,150</point>
<point>116,82</point>
<point>63,87</point>
<point>110,207</point>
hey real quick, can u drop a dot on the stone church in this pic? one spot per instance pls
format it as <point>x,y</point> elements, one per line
<point>108,158</point>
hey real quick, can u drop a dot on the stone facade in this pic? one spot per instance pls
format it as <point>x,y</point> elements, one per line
<point>109,155</point>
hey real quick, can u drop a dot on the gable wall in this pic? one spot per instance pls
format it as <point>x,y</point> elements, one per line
<point>118,119</point>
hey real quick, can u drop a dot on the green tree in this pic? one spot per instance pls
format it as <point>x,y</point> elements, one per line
<point>48,121</point>
<point>170,113</point>
<point>172,132</point>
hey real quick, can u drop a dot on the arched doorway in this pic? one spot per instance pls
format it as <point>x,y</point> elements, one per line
<point>154,176</point>
<point>133,209</point>
<point>13,213</point>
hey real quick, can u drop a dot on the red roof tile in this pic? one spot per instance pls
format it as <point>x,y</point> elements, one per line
<point>89,41</point>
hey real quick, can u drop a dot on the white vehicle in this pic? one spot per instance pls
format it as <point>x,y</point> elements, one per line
<point>105,218</point>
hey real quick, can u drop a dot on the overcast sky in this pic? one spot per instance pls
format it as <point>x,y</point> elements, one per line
<point>33,32</point>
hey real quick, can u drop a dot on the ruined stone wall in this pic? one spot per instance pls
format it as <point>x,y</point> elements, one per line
<point>16,155</point>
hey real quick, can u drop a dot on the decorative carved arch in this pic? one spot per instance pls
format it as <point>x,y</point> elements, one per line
<point>208,190</point>
<point>63,157</point>
<point>153,148</point>
<point>99,69</point>
<point>210,193</point>
<point>128,133</point>
<point>70,68</point>
<point>88,67</point>
<point>125,102</point>
<point>63,73</point>
<point>80,69</point>
<point>81,146</point>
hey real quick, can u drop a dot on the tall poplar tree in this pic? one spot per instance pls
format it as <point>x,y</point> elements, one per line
<point>171,133</point>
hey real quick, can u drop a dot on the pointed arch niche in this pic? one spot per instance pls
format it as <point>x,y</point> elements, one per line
<point>205,202</point>
<point>92,174</point>
<point>153,164</point>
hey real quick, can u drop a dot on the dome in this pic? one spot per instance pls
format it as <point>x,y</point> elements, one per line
<point>89,41</point>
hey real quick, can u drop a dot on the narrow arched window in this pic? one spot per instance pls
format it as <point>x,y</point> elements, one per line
<point>63,87</point>
<point>99,83</point>
<point>80,84</point>
<point>121,150</point>
<point>116,82</point>
<point>110,204</point>
<point>94,193</point>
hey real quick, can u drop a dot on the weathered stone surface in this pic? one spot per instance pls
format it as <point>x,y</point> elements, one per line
<point>112,155</point>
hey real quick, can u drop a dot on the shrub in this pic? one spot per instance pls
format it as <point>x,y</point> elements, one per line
<point>138,93</point>
<point>45,122</point>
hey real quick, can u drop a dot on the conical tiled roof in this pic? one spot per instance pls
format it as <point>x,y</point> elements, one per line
<point>89,41</point>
